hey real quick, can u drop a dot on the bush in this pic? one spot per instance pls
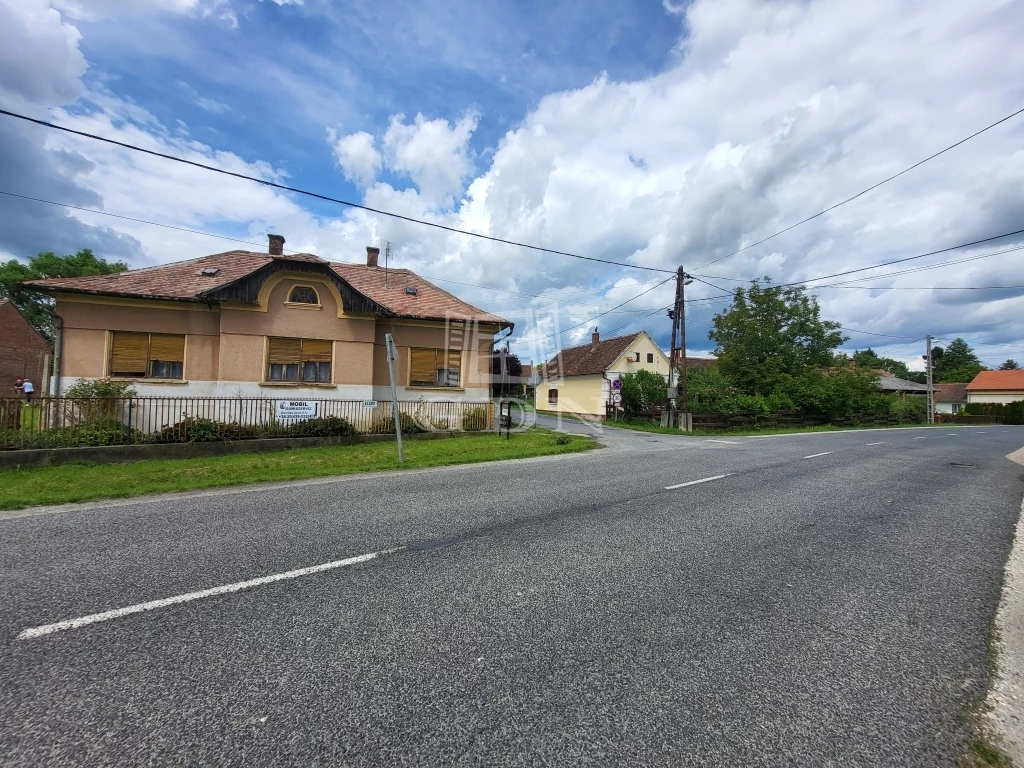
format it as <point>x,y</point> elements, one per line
<point>100,388</point>
<point>386,425</point>
<point>475,419</point>
<point>193,429</point>
<point>326,426</point>
<point>1010,413</point>
<point>643,391</point>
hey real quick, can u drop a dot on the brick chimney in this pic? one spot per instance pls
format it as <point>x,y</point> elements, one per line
<point>595,337</point>
<point>372,254</point>
<point>276,245</point>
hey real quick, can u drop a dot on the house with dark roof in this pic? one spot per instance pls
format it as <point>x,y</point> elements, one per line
<point>245,324</point>
<point>996,387</point>
<point>949,398</point>
<point>578,380</point>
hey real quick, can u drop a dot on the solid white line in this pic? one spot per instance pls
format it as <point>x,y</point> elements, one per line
<point>696,482</point>
<point>724,442</point>
<point>882,443</point>
<point>920,438</point>
<point>816,455</point>
<point>118,613</point>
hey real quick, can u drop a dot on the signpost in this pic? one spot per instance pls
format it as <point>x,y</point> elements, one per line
<point>392,355</point>
<point>616,398</point>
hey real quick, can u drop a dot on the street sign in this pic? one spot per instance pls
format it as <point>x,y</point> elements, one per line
<point>673,392</point>
<point>616,398</point>
<point>296,409</point>
<point>617,384</point>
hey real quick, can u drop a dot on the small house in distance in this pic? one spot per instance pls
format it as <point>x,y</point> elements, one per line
<point>23,351</point>
<point>996,387</point>
<point>578,380</point>
<point>950,398</point>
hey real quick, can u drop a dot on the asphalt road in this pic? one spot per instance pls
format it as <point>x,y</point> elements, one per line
<point>804,609</point>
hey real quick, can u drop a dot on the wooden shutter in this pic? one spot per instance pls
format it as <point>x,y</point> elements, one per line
<point>316,350</point>
<point>423,368</point>
<point>284,351</point>
<point>129,353</point>
<point>167,347</point>
<point>454,364</point>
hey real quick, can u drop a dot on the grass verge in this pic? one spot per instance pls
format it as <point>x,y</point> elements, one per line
<point>642,426</point>
<point>20,488</point>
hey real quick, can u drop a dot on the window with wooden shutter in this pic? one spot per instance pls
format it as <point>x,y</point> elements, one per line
<point>434,368</point>
<point>147,355</point>
<point>307,360</point>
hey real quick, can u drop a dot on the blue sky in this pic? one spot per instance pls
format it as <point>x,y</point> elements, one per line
<point>646,132</point>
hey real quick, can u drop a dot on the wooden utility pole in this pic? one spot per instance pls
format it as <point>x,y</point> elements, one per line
<point>928,367</point>
<point>678,350</point>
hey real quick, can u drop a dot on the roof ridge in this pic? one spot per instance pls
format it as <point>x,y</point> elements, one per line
<point>602,341</point>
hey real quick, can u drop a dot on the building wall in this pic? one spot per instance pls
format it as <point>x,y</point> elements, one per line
<point>22,351</point>
<point>949,407</point>
<point>584,395</point>
<point>995,396</point>
<point>644,346</point>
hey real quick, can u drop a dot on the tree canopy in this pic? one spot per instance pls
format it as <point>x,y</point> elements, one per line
<point>37,308</point>
<point>771,335</point>
<point>868,358</point>
<point>955,363</point>
<point>1009,365</point>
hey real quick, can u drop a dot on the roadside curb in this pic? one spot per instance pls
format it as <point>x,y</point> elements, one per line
<point>1004,704</point>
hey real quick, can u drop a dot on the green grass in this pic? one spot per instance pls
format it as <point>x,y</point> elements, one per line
<point>645,426</point>
<point>21,488</point>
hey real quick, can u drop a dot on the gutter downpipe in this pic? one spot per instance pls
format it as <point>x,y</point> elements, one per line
<point>58,356</point>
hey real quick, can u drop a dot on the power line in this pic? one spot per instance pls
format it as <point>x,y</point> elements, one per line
<point>318,196</point>
<point>865,191</point>
<point>602,314</point>
<point>872,333</point>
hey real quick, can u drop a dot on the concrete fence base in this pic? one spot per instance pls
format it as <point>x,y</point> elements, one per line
<point>126,454</point>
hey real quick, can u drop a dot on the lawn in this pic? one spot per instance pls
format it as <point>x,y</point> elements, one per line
<point>21,488</point>
<point>646,426</point>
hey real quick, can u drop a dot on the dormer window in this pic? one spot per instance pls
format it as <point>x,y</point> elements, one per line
<point>303,294</point>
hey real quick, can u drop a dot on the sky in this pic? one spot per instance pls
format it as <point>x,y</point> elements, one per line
<point>651,133</point>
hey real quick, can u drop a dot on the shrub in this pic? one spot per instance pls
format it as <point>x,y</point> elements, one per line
<point>193,429</point>
<point>100,388</point>
<point>475,419</point>
<point>1010,413</point>
<point>387,425</point>
<point>643,391</point>
<point>325,426</point>
<point>562,439</point>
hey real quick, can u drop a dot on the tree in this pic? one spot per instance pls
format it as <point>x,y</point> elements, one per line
<point>508,384</point>
<point>1009,365</point>
<point>37,308</point>
<point>955,363</point>
<point>643,391</point>
<point>770,335</point>
<point>868,358</point>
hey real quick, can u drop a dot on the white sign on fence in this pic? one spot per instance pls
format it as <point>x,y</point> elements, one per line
<point>296,409</point>
<point>369,403</point>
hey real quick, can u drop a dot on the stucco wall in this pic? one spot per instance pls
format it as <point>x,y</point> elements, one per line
<point>408,335</point>
<point>644,346</point>
<point>1006,396</point>
<point>576,394</point>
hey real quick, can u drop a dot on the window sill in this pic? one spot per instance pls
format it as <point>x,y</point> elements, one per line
<point>301,305</point>
<point>436,389</point>
<point>146,380</point>
<point>297,384</point>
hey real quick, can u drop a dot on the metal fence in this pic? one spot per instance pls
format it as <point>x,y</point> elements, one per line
<point>51,422</point>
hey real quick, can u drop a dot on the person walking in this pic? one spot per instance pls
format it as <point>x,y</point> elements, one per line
<point>29,389</point>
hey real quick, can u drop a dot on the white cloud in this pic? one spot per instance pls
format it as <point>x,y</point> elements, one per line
<point>40,63</point>
<point>433,153</point>
<point>93,10</point>
<point>357,156</point>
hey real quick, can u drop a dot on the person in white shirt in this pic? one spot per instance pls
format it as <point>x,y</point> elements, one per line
<point>28,388</point>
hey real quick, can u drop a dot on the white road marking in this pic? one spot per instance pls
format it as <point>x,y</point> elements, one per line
<point>118,613</point>
<point>881,443</point>
<point>816,455</point>
<point>696,482</point>
<point>920,438</point>
<point>725,442</point>
<point>979,433</point>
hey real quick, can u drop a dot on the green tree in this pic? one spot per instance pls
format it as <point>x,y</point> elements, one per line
<point>868,358</point>
<point>770,335</point>
<point>642,391</point>
<point>36,307</point>
<point>1009,365</point>
<point>955,363</point>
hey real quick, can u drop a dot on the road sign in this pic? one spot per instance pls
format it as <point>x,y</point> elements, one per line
<point>617,384</point>
<point>296,409</point>
<point>616,398</point>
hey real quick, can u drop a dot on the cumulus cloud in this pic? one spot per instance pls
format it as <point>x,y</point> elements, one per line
<point>433,153</point>
<point>357,156</point>
<point>93,10</point>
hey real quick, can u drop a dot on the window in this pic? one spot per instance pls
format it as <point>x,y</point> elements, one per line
<point>303,294</point>
<point>956,407</point>
<point>552,397</point>
<point>650,357</point>
<point>434,368</point>
<point>147,355</point>
<point>307,360</point>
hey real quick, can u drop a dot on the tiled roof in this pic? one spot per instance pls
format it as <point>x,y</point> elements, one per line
<point>896,384</point>
<point>588,359</point>
<point>185,281</point>
<point>989,380</point>
<point>950,393</point>
<point>696,362</point>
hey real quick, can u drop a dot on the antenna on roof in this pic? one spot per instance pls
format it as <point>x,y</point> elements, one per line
<point>387,255</point>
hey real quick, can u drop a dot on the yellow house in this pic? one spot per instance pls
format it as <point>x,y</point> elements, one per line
<point>579,380</point>
<point>246,324</point>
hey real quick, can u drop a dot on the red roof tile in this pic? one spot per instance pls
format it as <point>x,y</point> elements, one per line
<point>989,380</point>
<point>185,281</point>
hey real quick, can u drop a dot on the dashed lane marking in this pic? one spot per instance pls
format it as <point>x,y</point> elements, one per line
<point>816,455</point>
<point>696,482</point>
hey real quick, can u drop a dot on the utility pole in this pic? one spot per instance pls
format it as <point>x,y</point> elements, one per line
<point>392,354</point>
<point>928,368</point>
<point>678,315</point>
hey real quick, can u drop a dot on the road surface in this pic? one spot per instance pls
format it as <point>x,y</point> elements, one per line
<point>819,599</point>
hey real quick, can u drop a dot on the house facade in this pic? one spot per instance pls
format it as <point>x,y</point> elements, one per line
<point>950,398</point>
<point>578,380</point>
<point>23,351</point>
<point>996,387</point>
<point>247,324</point>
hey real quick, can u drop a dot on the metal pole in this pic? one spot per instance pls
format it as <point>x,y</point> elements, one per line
<point>674,348</point>
<point>392,355</point>
<point>928,367</point>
